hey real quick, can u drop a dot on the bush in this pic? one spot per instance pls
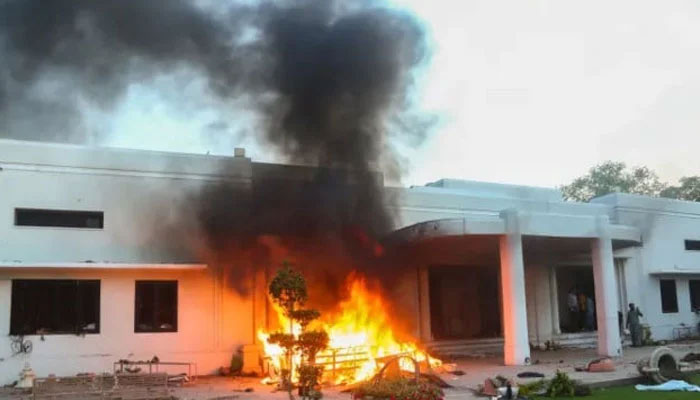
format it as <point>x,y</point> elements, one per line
<point>236,364</point>
<point>532,388</point>
<point>398,389</point>
<point>561,386</point>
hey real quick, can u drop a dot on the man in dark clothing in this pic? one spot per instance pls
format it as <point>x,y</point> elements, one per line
<point>634,325</point>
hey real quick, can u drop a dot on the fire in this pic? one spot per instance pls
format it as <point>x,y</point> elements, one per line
<point>361,339</point>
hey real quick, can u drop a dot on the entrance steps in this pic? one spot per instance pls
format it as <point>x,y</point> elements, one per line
<point>465,347</point>
<point>494,346</point>
<point>578,340</point>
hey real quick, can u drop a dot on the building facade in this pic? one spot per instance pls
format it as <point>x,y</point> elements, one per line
<point>90,272</point>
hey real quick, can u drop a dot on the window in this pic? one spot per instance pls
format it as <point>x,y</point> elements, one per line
<point>156,306</point>
<point>59,218</point>
<point>669,301</point>
<point>692,244</point>
<point>694,286</point>
<point>42,306</point>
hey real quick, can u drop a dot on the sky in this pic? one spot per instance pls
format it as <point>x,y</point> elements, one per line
<point>526,92</point>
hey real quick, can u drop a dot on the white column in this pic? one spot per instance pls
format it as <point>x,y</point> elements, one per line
<point>554,299</point>
<point>516,348</point>
<point>606,299</point>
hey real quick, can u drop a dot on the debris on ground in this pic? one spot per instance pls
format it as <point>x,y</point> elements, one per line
<point>530,374</point>
<point>597,365</point>
<point>246,390</point>
<point>457,372</point>
<point>691,357</point>
<point>661,366</point>
<point>178,379</point>
<point>601,365</point>
<point>670,386</point>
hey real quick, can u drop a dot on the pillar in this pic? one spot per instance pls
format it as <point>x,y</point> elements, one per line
<point>606,299</point>
<point>554,299</point>
<point>516,348</point>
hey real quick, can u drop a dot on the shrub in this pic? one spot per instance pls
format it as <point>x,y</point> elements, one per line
<point>398,389</point>
<point>236,364</point>
<point>561,386</point>
<point>532,388</point>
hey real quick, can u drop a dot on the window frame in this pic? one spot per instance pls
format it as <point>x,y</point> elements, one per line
<point>78,307</point>
<point>692,245</point>
<point>175,324</point>
<point>694,305</point>
<point>673,310</point>
<point>83,213</point>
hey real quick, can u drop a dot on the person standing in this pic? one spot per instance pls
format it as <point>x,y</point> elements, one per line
<point>582,303</point>
<point>572,304</point>
<point>590,314</point>
<point>634,325</point>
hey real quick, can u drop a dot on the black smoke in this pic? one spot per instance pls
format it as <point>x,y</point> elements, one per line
<point>329,81</point>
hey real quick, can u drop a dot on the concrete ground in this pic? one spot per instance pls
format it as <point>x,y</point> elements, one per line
<point>476,370</point>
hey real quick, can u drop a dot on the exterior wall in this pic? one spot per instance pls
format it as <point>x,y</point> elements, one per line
<point>212,325</point>
<point>665,225</point>
<point>142,193</point>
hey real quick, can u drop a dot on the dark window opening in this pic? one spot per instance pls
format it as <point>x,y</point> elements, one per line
<point>692,244</point>
<point>59,218</point>
<point>42,306</point>
<point>694,286</point>
<point>156,306</point>
<point>669,300</point>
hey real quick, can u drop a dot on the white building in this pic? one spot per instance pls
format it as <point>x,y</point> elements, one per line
<point>89,275</point>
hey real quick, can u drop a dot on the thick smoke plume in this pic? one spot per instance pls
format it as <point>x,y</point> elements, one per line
<point>328,81</point>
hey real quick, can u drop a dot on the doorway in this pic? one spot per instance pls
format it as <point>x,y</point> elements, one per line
<point>576,281</point>
<point>464,302</point>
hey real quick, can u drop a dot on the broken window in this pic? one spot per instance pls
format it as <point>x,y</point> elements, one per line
<point>59,218</point>
<point>156,306</point>
<point>669,299</point>
<point>54,306</point>
<point>692,244</point>
<point>694,286</point>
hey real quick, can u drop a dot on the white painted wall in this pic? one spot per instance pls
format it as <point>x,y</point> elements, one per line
<point>141,193</point>
<point>665,225</point>
<point>212,325</point>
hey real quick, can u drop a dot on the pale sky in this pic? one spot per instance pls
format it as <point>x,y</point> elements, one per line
<point>529,92</point>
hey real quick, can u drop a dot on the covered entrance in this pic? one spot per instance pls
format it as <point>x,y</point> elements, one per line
<point>518,297</point>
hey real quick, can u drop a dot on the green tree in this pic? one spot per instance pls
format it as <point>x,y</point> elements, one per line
<point>288,290</point>
<point>688,189</point>
<point>613,177</point>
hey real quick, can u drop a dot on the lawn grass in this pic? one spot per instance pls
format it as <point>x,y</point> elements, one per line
<point>630,393</point>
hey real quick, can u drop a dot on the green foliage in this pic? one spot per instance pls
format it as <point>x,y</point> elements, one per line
<point>616,177</point>
<point>613,177</point>
<point>286,340</point>
<point>689,189</point>
<point>309,379</point>
<point>304,317</point>
<point>236,364</point>
<point>288,289</point>
<point>532,388</point>
<point>311,342</point>
<point>398,389</point>
<point>561,386</point>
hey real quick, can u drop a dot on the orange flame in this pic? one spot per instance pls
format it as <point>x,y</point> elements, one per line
<point>361,339</point>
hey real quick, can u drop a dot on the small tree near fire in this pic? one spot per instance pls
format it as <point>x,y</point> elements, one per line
<point>288,290</point>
